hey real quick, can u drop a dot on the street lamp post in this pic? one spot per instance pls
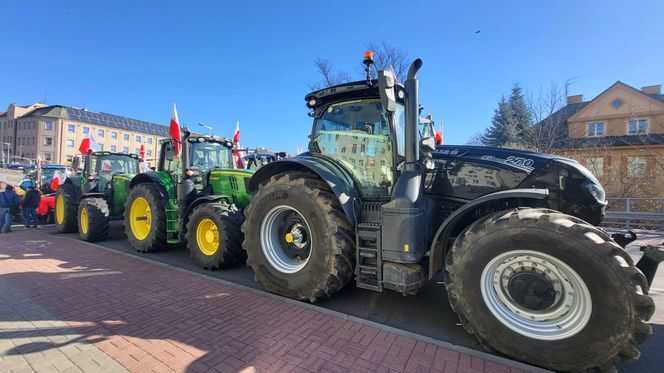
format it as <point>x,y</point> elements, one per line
<point>4,157</point>
<point>208,127</point>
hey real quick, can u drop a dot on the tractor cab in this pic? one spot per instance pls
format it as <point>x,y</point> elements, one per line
<point>100,169</point>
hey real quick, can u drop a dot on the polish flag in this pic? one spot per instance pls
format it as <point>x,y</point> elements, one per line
<point>174,131</point>
<point>236,134</point>
<point>141,151</point>
<point>58,178</point>
<point>236,153</point>
<point>88,144</point>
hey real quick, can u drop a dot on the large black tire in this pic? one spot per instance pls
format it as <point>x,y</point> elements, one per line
<point>156,238</point>
<point>68,223</point>
<point>331,248</point>
<point>226,221</point>
<point>95,211</point>
<point>617,290</point>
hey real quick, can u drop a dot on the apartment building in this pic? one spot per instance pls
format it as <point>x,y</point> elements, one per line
<point>54,133</point>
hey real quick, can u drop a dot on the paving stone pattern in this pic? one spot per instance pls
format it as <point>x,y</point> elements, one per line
<point>149,317</point>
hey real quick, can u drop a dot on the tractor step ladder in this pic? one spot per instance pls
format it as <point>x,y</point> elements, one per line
<point>368,270</point>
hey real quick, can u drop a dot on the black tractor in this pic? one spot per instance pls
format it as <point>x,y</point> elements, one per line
<point>512,233</point>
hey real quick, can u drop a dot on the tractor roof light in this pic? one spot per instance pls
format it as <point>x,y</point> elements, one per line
<point>368,56</point>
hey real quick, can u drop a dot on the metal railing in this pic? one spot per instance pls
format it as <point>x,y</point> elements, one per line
<point>631,213</point>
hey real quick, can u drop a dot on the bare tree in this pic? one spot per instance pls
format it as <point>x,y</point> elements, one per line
<point>547,108</point>
<point>329,77</point>
<point>386,57</point>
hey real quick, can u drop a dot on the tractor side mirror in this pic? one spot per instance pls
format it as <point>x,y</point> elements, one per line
<point>386,88</point>
<point>169,152</point>
<point>76,163</point>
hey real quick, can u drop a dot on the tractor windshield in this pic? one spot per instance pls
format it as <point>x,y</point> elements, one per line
<point>357,135</point>
<point>207,156</point>
<point>115,164</point>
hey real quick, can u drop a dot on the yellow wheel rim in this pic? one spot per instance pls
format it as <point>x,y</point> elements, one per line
<point>140,218</point>
<point>84,220</point>
<point>207,237</point>
<point>60,209</point>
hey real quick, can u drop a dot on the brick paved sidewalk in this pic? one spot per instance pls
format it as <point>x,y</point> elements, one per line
<point>150,317</point>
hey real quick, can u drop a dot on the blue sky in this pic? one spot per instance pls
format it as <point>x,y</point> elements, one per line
<point>252,61</point>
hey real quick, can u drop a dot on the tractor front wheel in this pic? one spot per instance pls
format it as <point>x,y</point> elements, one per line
<point>214,237</point>
<point>145,218</point>
<point>94,219</point>
<point>548,289</point>
<point>298,241</point>
<point>66,209</point>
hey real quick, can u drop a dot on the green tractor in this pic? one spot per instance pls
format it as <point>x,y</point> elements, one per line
<point>89,201</point>
<point>194,199</point>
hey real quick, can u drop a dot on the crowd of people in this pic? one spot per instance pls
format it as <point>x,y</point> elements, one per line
<point>10,201</point>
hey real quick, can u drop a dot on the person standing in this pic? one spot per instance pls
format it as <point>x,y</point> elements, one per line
<point>8,200</point>
<point>30,205</point>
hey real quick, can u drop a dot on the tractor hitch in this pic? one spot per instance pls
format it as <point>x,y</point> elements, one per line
<point>652,256</point>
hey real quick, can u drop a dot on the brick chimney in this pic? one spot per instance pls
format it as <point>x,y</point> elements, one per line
<point>652,89</point>
<point>574,99</point>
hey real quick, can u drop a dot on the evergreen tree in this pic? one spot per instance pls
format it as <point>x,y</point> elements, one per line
<point>502,130</point>
<point>521,117</point>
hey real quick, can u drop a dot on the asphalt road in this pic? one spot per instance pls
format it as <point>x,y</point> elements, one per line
<point>427,313</point>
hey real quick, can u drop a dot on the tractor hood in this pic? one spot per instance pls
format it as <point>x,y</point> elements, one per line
<point>520,159</point>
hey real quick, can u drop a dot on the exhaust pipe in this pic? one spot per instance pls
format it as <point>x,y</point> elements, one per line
<point>412,116</point>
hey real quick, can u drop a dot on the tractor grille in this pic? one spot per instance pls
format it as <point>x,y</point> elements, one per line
<point>370,212</point>
<point>233,181</point>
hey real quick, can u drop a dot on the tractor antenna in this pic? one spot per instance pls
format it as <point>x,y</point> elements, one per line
<point>368,61</point>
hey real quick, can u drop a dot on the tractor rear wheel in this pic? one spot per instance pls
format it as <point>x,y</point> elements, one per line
<point>94,219</point>
<point>145,218</point>
<point>214,237</point>
<point>298,241</point>
<point>66,209</point>
<point>548,289</point>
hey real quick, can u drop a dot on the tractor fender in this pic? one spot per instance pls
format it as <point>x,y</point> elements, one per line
<point>337,178</point>
<point>88,195</point>
<point>165,185</point>
<point>437,252</point>
<point>76,182</point>
<point>206,199</point>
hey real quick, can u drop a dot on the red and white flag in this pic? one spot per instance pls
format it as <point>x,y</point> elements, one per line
<point>237,154</point>
<point>58,178</point>
<point>174,131</point>
<point>236,134</point>
<point>88,144</point>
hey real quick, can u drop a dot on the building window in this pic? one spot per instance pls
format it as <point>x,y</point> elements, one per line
<point>137,151</point>
<point>70,143</point>
<point>636,165</point>
<point>86,131</point>
<point>114,148</point>
<point>149,140</point>
<point>138,138</point>
<point>48,157</point>
<point>70,158</point>
<point>101,147</point>
<point>48,126</point>
<point>149,152</point>
<point>48,141</point>
<point>71,128</point>
<point>114,135</point>
<point>596,165</point>
<point>595,129</point>
<point>100,133</point>
<point>125,150</point>
<point>637,126</point>
<point>126,137</point>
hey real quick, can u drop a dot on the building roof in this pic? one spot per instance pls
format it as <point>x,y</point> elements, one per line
<point>563,140</point>
<point>100,119</point>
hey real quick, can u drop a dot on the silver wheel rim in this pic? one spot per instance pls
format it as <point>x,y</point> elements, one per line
<point>567,316</point>
<point>272,244</point>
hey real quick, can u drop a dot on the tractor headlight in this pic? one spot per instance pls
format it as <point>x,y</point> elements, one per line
<point>596,190</point>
